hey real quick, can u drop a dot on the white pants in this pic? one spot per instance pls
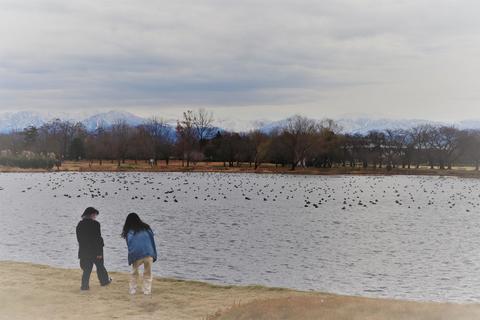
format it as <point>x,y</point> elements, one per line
<point>147,275</point>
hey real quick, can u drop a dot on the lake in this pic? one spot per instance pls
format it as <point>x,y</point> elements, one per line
<point>406,237</point>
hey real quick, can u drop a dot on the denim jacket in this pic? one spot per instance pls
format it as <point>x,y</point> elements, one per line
<point>141,244</point>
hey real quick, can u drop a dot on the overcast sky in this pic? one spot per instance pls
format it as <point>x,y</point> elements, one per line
<point>243,59</point>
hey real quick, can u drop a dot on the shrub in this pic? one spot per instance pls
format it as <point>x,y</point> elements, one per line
<point>36,162</point>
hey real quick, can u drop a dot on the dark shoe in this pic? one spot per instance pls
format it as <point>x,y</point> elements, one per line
<point>84,289</point>
<point>106,284</point>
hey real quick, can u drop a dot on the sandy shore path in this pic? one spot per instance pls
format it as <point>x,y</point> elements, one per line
<point>30,291</point>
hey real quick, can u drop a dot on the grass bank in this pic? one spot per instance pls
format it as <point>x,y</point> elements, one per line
<point>176,166</point>
<point>29,291</point>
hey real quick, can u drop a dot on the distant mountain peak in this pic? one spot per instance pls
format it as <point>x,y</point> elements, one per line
<point>363,125</point>
<point>109,118</point>
<point>15,121</point>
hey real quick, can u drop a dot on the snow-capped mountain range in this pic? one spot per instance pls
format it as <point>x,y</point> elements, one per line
<point>15,121</point>
<point>107,119</point>
<point>354,124</point>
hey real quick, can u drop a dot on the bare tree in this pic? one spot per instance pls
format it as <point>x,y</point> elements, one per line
<point>376,145</point>
<point>120,139</point>
<point>230,147</point>
<point>444,143</point>
<point>258,146</point>
<point>470,143</point>
<point>405,147</point>
<point>203,123</point>
<point>187,137</point>
<point>395,145</point>
<point>298,135</point>
<point>66,134</point>
<point>100,145</point>
<point>327,149</point>
<point>419,141</point>
<point>161,139</point>
<point>141,146</point>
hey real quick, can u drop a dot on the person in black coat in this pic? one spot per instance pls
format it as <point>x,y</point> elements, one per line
<point>90,251</point>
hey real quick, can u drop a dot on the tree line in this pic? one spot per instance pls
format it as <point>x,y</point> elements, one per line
<point>298,142</point>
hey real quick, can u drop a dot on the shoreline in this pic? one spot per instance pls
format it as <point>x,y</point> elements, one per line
<point>42,292</point>
<point>130,166</point>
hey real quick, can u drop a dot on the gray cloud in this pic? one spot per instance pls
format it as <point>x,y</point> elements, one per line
<point>321,58</point>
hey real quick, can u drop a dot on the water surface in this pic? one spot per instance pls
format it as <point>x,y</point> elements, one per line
<point>408,237</point>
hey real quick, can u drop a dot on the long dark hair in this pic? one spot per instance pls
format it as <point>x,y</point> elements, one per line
<point>134,223</point>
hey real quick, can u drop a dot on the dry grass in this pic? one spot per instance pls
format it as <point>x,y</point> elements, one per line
<point>30,291</point>
<point>347,308</point>
<point>176,166</point>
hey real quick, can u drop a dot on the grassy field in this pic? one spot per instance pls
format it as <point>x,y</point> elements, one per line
<point>29,291</point>
<point>348,308</point>
<point>176,166</point>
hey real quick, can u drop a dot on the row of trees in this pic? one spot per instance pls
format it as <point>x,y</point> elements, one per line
<point>300,141</point>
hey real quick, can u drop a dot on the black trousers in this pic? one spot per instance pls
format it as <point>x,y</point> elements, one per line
<point>87,265</point>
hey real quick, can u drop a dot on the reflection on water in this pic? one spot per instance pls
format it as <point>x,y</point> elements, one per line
<point>397,237</point>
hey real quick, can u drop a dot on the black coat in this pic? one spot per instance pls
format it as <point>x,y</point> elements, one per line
<point>89,239</point>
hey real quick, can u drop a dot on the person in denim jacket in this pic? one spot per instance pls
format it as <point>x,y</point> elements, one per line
<point>141,251</point>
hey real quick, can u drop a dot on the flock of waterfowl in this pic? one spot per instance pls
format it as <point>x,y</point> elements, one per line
<point>307,192</point>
